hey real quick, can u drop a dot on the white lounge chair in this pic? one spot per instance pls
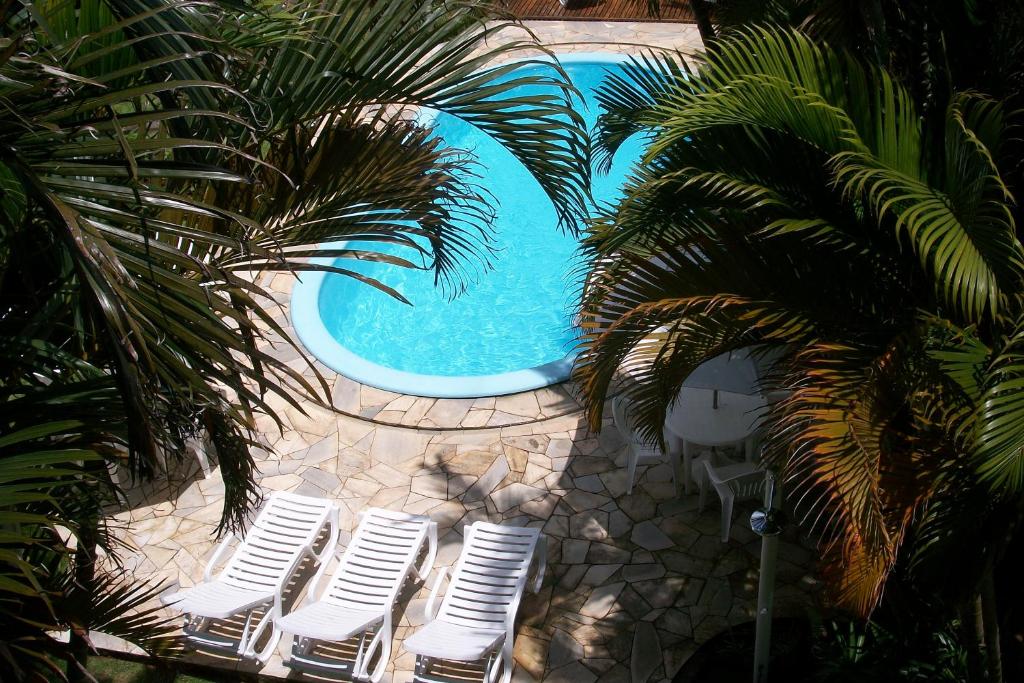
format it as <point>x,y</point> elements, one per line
<point>731,481</point>
<point>361,594</point>
<point>476,619</point>
<point>637,449</point>
<point>254,578</point>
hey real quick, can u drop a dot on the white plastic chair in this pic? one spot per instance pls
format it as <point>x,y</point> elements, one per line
<point>476,618</point>
<point>636,448</point>
<point>254,578</point>
<point>361,594</point>
<point>734,481</point>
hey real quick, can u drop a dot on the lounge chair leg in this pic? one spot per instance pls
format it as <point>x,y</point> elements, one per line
<point>243,643</point>
<point>494,662</point>
<point>381,641</point>
<point>506,660</point>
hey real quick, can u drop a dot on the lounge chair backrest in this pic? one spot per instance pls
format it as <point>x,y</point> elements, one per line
<point>377,560</point>
<point>488,579</point>
<point>284,529</point>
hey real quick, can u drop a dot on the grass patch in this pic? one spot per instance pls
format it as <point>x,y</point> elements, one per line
<point>110,670</point>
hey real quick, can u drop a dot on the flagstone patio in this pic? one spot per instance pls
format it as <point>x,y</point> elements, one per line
<point>635,582</point>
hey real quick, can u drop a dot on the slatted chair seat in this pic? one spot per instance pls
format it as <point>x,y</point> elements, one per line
<point>476,618</point>
<point>267,557</point>
<point>216,600</point>
<point>458,643</point>
<point>361,593</point>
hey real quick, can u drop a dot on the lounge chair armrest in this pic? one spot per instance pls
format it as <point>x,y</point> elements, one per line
<point>323,558</point>
<point>540,554</point>
<point>430,610</point>
<point>428,562</point>
<point>332,538</point>
<point>218,555</point>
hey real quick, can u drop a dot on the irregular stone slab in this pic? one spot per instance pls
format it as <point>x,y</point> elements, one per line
<point>616,674</point>
<point>470,462</point>
<point>649,537</point>
<point>322,450</point>
<point>599,573</point>
<point>517,458</point>
<point>494,475</point>
<point>619,523</point>
<point>557,525</point>
<point>534,473</point>
<point>642,572</point>
<point>345,395</point>
<point>530,653</point>
<point>477,418</point>
<point>400,404</point>
<point>601,600</point>
<point>572,576</point>
<point>522,405</point>
<point>591,483</point>
<point>574,551</point>
<point>540,508</point>
<point>534,444</point>
<point>559,448</point>
<point>591,525</point>
<point>359,488</point>
<point>679,531</point>
<point>603,553</point>
<point>646,655</point>
<point>583,500</point>
<point>434,485</point>
<point>449,412</point>
<point>323,479</point>
<point>388,475</point>
<point>573,672</point>
<point>661,592</point>
<point>308,488</point>
<point>639,506</point>
<point>393,446</point>
<point>418,409</point>
<point>564,649</point>
<point>514,494</point>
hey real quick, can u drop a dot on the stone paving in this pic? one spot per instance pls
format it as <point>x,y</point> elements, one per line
<point>635,581</point>
<point>642,568</point>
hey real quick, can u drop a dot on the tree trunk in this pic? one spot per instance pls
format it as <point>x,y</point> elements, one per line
<point>702,15</point>
<point>85,585</point>
<point>973,636</point>
<point>877,31</point>
<point>990,624</point>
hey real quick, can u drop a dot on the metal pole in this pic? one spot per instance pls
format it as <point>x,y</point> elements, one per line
<point>765,522</point>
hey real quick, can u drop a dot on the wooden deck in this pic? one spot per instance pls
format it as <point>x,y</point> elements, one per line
<point>600,10</point>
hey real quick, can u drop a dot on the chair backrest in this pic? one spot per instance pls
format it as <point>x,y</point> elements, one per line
<point>626,425</point>
<point>286,526</point>
<point>489,576</point>
<point>377,560</point>
<point>623,421</point>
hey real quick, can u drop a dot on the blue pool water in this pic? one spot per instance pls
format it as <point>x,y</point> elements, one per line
<point>517,315</point>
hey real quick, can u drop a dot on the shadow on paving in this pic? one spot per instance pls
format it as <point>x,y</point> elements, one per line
<point>641,576</point>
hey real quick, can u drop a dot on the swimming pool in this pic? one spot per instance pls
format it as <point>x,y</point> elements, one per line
<point>511,330</point>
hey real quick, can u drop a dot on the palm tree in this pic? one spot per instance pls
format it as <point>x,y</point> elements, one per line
<point>793,198</point>
<point>155,157</point>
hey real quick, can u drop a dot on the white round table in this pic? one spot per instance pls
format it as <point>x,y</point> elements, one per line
<point>693,419</point>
